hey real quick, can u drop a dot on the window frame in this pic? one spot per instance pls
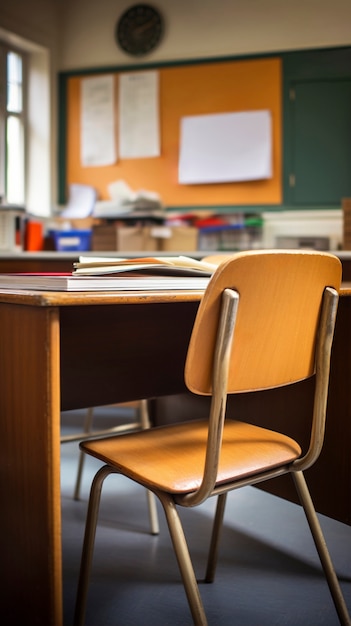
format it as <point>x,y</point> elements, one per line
<point>5,49</point>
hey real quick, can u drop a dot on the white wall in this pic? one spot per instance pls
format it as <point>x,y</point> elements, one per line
<point>204,28</point>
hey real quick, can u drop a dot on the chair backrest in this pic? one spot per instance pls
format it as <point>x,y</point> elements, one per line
<point>218,258</point>
<point>280,296</point>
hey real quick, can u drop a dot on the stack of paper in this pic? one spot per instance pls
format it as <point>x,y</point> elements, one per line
<point>106,274</point>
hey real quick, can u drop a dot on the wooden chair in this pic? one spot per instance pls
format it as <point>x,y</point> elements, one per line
<point>218,257</point>
<point>141,422</point>
<point>266,320</point>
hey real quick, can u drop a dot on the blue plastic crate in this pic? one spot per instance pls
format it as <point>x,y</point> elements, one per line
<point>71,240</point>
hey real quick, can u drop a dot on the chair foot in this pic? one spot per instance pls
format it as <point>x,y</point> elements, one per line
<point>322,549</point>
<point>88,544</point>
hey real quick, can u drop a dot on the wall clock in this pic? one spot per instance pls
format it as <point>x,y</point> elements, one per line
<point>139,29</point>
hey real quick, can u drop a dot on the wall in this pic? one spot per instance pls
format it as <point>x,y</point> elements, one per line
<point>80,33</point>
<point>36,21</point>
<point>211,28</point>
<point>205,28</point>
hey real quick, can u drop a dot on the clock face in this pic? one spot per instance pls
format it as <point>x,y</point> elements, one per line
<point>139,29</point>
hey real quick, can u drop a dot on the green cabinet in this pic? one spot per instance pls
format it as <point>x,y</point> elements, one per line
<point>321,142</point>
<point>317,128</point>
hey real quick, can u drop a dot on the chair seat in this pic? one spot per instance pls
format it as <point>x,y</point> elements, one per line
<point>171,458</point>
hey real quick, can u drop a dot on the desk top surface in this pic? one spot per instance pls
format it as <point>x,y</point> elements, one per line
<point>84,298</point>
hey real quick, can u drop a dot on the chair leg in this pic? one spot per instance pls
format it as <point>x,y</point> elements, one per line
<point>76,493</point>
<point>215,537</point>
<point>184,560</point>
<point>88,544</point>
<point>88,422</point>
<point>153,517</point>
<point>144,423</point>
<point>322,549</point>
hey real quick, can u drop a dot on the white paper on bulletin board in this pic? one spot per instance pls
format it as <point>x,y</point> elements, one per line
<point>139,118</point>
<point>98,142</point>
<point>225,147</point>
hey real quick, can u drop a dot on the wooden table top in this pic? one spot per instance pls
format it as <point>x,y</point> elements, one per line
<point>63,298</point>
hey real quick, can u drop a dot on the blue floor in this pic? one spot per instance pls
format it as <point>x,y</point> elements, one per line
<point>268,571</point>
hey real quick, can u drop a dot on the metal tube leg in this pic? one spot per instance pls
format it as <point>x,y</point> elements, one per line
<point>88,422</point>
<point>153,515</point>
<point>76,494</point>
<point>144,415</point>
<point>214,545</point>
<point>322,549</point>
<point>184,560</point>
<point>88,545</point>
<point>151,500</point>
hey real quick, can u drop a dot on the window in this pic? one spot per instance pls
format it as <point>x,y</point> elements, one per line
<point>12,125</point>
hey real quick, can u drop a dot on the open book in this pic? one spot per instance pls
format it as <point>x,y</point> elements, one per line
<point>155,266</point>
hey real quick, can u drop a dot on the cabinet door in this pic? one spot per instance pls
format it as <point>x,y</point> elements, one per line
<point>321,142</point>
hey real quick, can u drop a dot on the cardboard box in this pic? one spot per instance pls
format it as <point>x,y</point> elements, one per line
<point>107,237</point>
<point>104,237</point>
<point>136,238</point>
<point>180,239</point>
<point>144,238</point>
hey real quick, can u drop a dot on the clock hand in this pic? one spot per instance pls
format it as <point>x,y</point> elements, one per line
<point>140,29</point>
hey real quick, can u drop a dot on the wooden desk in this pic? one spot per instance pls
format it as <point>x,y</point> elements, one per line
<point>63,351</point>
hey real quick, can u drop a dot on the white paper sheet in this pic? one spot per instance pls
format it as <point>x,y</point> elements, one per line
<point>81,201</point>
<point>139,134</point>
<point>98,141</point>
<point>225,147</point>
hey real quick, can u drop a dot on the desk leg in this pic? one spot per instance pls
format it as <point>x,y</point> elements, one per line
<point>30,519</point>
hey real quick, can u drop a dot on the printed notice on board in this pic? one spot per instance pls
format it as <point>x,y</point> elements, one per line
<point>98,140</point>
<point>225,147</point>
<point>139,134</point>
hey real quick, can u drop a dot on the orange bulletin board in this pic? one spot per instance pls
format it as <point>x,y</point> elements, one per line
<point>193,89</point>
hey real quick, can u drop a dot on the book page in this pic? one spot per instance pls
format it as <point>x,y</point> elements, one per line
<point>164,265</point>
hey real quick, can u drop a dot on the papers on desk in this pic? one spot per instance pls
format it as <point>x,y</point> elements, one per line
<point>159,266</point>
<point>112,282</point>
<point>144,274</point>
<point>124,201</point>
<point>81,202</point>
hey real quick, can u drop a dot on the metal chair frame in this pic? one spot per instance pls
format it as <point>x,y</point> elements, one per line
<point>208,487</point>
<point>142,423</point>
